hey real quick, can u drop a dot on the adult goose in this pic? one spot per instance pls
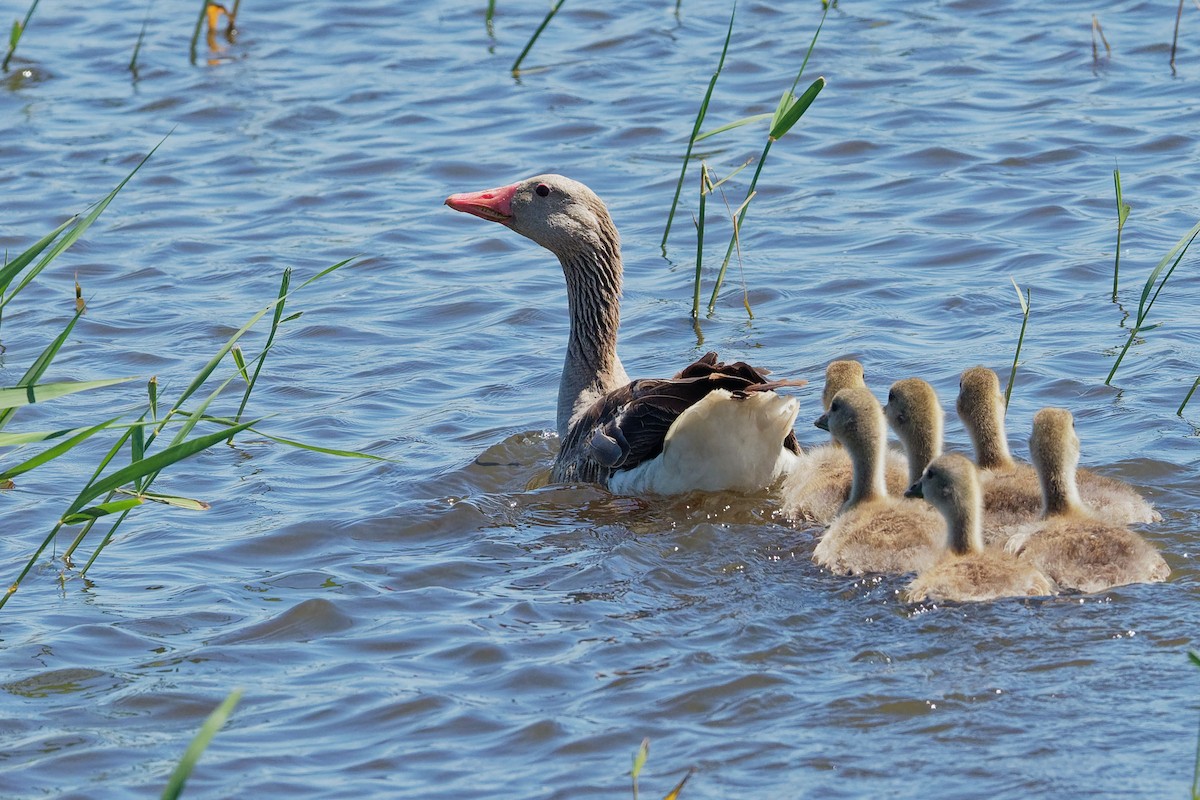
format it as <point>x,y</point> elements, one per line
<point>1075,546</point>
<point>1012,494</point>
<point>711,427</point>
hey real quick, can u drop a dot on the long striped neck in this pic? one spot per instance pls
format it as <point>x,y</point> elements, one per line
<point>591,368</point>
<point>867,456</point>
<point>964,522</point>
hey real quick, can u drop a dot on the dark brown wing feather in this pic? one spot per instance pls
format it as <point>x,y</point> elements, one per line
<point>628,425</point>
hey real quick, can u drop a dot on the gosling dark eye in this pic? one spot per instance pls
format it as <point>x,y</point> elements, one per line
<point>542,190</point>
<point>891,397</point>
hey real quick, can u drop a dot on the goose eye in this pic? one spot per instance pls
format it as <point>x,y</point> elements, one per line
<point>542,190</point>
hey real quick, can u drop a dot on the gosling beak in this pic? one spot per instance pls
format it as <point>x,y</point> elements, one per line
<point>915,491</point>
<point>822,422</point>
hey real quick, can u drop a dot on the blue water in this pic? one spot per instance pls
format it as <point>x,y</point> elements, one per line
<point>443,624</point>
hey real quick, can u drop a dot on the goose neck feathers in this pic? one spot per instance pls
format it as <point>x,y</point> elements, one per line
<point>981,408</point>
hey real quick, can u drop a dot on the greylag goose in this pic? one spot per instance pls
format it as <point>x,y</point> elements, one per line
<point>874,532</point>
<point>711,427</point>
<point>818,490</point>
<point>966,571</point>
<point>1012,494</point>
<point>1074,546</point>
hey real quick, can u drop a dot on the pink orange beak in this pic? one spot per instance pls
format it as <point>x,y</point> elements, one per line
<point>491,204</point>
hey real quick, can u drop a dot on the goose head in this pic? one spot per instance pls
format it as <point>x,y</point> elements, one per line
<point>841,375</point>
<point>855,419</point>
<point>914,413</point>
<point>950,484</point>
<point>1054,451</point>
<point>980,406</point>
<point>562,215</point>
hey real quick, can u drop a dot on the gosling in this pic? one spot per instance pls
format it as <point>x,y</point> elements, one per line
<point>1012,495</point>
<point>1076,548</point>
<point>873,532</point>
<point>966,571</point>
<point>820,486</point>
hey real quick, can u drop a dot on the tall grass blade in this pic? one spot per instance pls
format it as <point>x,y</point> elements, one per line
<point>51,453</point>
<point>516,67</point>
<point>1192,391</point>
<point>1194,657</point>
<point>151,465</point>
<point>1175,36</point>
<point>41,392</point>
<point>18,30</point>
<point>284,283</point>
<point>196,31</point>
<point>712,83</point>
<point>735,124</point>
<point>183,770</point>
<point>39,367</point>
<point>137,48</point>
<point>792,109</point>
<point>1122,215</point>
<point>639,761</point>
<point>1147,299</point>
<point>79,228</point>
<point>1025,301</point>
<point>705,188</point>
<point>787,114</point>
<point>101,510</point>
<point>14,267</point>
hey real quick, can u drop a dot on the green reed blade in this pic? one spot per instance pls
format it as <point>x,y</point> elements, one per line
<point>1146,302</point>
<point>79,228</point>
<point>208,368</point>
<point>190,503</point>
<point>1123,210</point>
<point>12,268</point>
<point>14,37</point>
<point>705,188</point>
<point>39,366</point>
<point>712,83</point>
<point>137,48</point>
<point>104,541</point>
<point>216,720</point>
<point>152,396</point>
<point>96,473</point>
<point>41,392</point>
<point>284,283</point>
<point>196,31</point>
<point>1026,302</point>
<point>516,67</point>
<point>101,510</point>
<point>734,240</point>
<point>791,108</point>
<point>152,464</point>
<point>735,124</point>
<point>51,453</point>
<point>1192,391</point>
<point>639,761</point>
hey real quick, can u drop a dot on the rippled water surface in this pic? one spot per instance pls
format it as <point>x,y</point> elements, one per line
<point>443,624</point>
